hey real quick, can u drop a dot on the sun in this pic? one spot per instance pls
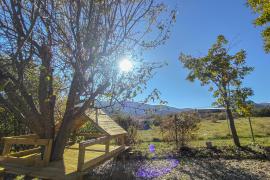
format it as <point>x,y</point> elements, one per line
<point>125,65</point>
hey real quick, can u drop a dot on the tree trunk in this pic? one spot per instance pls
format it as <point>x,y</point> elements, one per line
<point>176,131</point>
<point>232,127</point>
<point>61,138</point>
<point>251,129</point>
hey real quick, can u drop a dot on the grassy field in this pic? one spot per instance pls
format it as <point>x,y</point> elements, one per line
<point>217,132</point>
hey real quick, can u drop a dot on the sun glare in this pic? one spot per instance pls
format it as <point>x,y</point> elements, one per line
<point>125,65</point>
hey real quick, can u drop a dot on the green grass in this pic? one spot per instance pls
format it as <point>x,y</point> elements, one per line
<point>218,133</point>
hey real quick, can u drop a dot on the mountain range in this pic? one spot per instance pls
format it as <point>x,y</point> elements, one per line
<point>137,109</point>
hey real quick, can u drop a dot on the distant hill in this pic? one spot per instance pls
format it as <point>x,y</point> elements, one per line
<point>140,109</point>
<point>137,109</point>
<point>262,105</point>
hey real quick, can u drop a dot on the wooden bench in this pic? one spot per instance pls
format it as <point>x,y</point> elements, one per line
<point>38,156</point>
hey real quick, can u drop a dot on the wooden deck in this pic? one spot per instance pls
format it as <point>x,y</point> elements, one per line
<point>78,159</point>
<point>67,168</point>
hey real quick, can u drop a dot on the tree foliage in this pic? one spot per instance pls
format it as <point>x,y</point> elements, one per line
<point>223,73</point>
<point>262,7</point>
<point>127,123</point>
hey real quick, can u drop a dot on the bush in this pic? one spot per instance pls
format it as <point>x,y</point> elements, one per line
<point>261,112</point>
<point>157,120</point>
<point>180,128</point>
<point>127,123</point>
<point>156,140</point>
<point>132,135</point>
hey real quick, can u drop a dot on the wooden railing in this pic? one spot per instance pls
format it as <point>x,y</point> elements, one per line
<point>27,157</point>
<point>82,165</point>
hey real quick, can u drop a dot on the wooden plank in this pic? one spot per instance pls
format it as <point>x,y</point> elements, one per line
<point>25,152</point>
<point>94,135</point>
<point>33,136</point>
<point>107,147</point>
<point>94,141</point>
<point>81,157</point>
<point>94,162</point>
<point>26,141</point>
<point>106,123</point>
<point>7,148</point>
<point>24,160</point>
<point>47,152</point>
<point>68,167</point>
<point>122,140</point>
<point>2,172</point>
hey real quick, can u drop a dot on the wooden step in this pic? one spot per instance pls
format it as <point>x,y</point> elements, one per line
<point>2,171</point>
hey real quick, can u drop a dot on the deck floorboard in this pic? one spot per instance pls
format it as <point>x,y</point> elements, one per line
<point>66,168</point>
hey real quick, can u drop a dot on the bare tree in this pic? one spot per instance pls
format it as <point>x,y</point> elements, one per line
<point>180,127</point>
<point>79,44</point>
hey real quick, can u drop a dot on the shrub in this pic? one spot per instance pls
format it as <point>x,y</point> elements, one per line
<point>180,128</point>
<point>132,135</point>
<point>127,123</point>
<point>156,140</point>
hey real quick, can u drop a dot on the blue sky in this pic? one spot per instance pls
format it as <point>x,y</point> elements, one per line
<point>198,24</point>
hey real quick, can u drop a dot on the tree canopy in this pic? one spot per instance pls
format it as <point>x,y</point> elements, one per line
<point>68,51</point>
<point>224,74</point>
<point>262,7</point>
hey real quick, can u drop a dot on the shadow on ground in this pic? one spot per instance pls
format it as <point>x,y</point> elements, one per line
<point>192,166</point>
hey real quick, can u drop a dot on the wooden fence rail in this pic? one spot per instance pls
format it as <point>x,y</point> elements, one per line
<point>83,145</point>
<point>27,157</point>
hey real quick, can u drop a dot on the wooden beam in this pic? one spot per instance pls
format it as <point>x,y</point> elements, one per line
<point>7,148</point>
<point>107,146</point>
<point>91,135</point>
<point>26,141</point>
<point>32,136</point>
<point>122,140</point>
<point>94,141</point>
<point>81,157</point>
<point>47,152</point>
<point>2,172</point>
<point>25,152</point>
<point>102,158</point>
<point>24,160</point>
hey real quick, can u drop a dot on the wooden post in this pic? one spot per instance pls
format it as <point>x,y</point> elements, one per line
<point>107,146</point>
<point>47,152</point>
<point>7,148</point>
<point>122,140</point>
<point>81,157</point>
<point>2,172</point>
<point>96,115</point>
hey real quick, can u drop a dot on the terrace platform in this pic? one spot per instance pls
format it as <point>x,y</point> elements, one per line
<point>67,168</point>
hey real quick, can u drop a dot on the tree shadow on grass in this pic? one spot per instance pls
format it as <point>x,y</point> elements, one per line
<point>226,153</point>
<point>215,169</point>
<point>113,170</point>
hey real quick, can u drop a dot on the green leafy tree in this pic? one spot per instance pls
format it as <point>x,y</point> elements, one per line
<point>262,7</point>
<point>224,74</point>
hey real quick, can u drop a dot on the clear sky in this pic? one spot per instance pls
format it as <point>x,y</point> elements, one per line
<point>198,24</point>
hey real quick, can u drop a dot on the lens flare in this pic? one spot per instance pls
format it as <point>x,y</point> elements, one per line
<point>125,65</point>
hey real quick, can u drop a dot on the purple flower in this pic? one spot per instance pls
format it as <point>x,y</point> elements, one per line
<point>152,148</point>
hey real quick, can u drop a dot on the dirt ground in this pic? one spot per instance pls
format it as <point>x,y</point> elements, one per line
<point>202,164</point>
<point>188,168</point>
